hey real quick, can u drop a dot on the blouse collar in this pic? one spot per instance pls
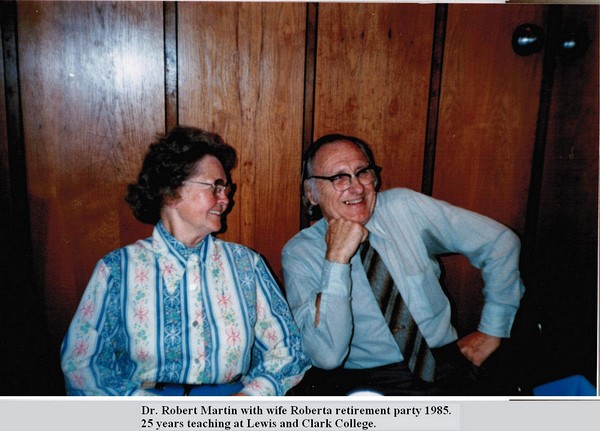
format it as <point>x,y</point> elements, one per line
<point>182,251</point>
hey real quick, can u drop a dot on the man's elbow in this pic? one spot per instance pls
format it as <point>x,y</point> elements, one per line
<point>326,358</point>
<point>509,241</point>
<point>326,362</point>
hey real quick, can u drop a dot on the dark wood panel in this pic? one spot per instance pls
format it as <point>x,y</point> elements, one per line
<point>568,207</point>
<point>4,166</point>
<point>486,129</point>
<point>241,75</point>
<point>373,67</point>
<point>489,105</point>
<point>566,247</point>
<point>26,370</point>
<point>92,79</point>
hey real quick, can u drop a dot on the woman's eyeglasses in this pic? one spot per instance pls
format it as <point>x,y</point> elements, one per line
<point>218,188</point>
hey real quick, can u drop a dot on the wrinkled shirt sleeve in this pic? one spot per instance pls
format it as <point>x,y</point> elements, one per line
<point>328,342</point>
<point>487,244</point>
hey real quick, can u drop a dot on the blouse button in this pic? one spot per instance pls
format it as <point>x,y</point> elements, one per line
<point>193,286</point>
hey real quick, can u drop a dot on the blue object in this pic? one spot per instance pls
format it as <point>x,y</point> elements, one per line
<point>176,390</point>
<point>217,390</point>
<point>576,385</point>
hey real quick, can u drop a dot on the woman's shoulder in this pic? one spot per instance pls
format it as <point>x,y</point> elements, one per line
<point>139,247</point>
<point>234,247</point>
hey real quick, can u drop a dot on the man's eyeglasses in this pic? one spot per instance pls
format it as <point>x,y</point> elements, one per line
<point>342,182</point>
<point>218,188</point>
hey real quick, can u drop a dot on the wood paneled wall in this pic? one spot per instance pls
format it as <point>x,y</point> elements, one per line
<point>241,73</point>
<point>372,79</point>
<point>435,89</point>
<point>92,85</point>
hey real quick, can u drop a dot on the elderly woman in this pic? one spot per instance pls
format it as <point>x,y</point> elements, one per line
<point>182,312</point>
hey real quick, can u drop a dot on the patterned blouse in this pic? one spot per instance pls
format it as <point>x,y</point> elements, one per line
<point>157,311</point>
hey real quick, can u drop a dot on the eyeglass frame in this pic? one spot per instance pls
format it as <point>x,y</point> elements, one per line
<point>226,189</point>
<point>332,178</point>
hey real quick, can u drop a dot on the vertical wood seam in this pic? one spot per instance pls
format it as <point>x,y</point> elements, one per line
<point>435,86</point>
<point>171,63</point>
<point>19,207</point>
<point>18,213</point>
<point>539,146</point>
<point>310,64</point>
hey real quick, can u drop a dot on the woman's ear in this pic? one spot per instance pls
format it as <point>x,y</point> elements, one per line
<point>171,201</point>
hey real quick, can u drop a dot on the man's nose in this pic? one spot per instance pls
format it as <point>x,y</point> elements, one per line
<point>356,185</point>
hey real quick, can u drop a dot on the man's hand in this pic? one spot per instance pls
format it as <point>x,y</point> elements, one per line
<point>343,238</point>
<point>477,346</point>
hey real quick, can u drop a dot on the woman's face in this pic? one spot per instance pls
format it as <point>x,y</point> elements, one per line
<point>198,211</point>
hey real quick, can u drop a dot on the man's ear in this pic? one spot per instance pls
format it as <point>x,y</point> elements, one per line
<point>310,193</point>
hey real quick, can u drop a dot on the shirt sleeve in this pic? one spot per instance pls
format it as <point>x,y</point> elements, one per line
<point>328,342</point>
<point>90,358</point>
<point>488,245</point>
<point>278,361</point>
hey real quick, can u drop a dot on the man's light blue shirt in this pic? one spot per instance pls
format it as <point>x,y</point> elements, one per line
<point>408,229</point>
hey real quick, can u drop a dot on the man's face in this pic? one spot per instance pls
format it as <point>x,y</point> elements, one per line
<point>358,201</point>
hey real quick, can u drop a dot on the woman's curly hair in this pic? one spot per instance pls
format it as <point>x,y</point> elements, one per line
<point>168,163</point>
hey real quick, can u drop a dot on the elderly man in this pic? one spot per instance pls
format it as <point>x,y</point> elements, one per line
<point>353,340</point>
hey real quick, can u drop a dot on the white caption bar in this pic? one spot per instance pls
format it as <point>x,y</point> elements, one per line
<point>380,415</point>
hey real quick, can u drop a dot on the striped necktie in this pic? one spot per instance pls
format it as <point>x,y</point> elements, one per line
<point>413,346</point>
